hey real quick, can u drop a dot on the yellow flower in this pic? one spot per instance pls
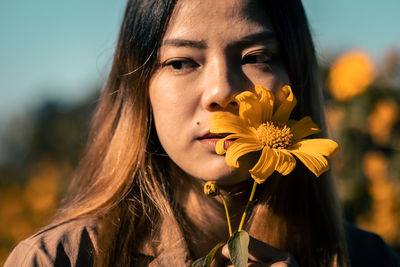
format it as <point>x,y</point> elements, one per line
<point>258,127</point>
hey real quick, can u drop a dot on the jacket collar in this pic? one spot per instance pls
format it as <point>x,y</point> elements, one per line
<point>168,247</point>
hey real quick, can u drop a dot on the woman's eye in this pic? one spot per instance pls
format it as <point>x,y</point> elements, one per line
<point>178,65</point>
<point>256,59</point>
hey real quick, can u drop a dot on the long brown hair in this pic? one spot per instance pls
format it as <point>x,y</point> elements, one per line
<point>123,174</point>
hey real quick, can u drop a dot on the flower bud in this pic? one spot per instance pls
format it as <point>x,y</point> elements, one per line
<point>211,189</point>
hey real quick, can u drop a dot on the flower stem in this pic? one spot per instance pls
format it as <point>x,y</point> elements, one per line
<point>227,214</point>
<point>246,210</point>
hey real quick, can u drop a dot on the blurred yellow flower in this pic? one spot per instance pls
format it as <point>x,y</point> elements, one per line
<point>350,75</point>
<point>23,209</point>
<point>258,127</point>
<point>382,119</point>
<point>385,217</point>
<point>41,192</point>
<point>13,215</point>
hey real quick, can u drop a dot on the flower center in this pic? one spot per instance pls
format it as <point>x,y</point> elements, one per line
<point>274,135</point>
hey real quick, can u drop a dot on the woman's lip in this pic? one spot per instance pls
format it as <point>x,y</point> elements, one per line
<point>213,135</point>
<point>210,143</point>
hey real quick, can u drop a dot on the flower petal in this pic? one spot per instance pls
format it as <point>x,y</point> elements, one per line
<point>315,162</point>
<point>304,128</point>
<point>239,148</point>
<point>225,122</point>
<point>312,151</point>
<point>220,145</point>
<point>285,163</point>
<point>285,108</point>
<point>265,166</point>
<point>249,107</point>
<point>325,147</point>
<point>267,99</point>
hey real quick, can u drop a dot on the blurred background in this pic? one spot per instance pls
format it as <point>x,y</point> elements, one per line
<point>55,55</point>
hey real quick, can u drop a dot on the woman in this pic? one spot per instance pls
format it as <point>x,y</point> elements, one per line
<point>137,197</point>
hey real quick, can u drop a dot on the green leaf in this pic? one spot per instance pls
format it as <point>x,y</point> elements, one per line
<point>206,261</point>
<point>199,262</point>
<point>238,245</point>
<point>211,254</point>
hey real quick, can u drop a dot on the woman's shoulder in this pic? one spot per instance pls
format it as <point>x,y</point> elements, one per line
<point>70,243</point>
<point>368,249</point>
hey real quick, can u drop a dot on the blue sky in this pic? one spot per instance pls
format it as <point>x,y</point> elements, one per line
<point>54,49</point>
<point>341,24</point>
<point>59,49</point>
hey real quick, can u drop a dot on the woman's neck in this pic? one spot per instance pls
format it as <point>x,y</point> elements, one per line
<point>205,220</point>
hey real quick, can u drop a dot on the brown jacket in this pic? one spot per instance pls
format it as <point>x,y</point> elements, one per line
<point>73,243</point>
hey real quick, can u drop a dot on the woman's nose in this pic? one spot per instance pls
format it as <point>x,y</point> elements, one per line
<point>220,98</point>
<point>221,86</point>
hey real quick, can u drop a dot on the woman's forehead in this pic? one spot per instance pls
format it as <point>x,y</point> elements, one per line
<point>219,18</point>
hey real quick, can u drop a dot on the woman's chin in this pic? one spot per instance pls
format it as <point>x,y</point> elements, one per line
<point>227,177</point>
<point>214,168</point>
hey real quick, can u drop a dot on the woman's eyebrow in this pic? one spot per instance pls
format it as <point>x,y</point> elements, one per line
<point>265,36</point>
<point>245,41</point>
<point>185,43</point>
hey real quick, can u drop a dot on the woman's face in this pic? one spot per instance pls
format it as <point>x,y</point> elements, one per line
<point>212,51</point>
